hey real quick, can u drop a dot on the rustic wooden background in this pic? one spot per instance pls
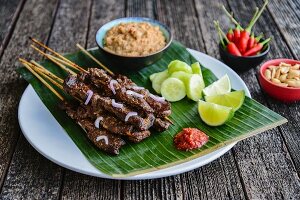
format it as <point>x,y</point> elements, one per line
<point>263,167</point>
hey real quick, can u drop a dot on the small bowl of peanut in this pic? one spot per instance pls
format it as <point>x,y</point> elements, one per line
<point>280,78</point>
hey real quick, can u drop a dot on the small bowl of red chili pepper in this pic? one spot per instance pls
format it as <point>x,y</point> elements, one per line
<point>240,48</point>
<point>243,63</point>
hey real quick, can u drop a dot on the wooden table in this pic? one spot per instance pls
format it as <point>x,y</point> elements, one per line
<point>266,166</point>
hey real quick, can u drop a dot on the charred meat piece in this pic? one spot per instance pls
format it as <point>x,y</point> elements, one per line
<point>100,137</point>
<point>141,123</point>
<point>113,89</point>
<point>112,124</point>
<point>161,108</point>
<point>108,122</point>
<point>161,125</point>
<point>80,90</point>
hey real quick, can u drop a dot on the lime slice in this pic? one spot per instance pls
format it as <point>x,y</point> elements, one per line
<point>177,65</point>
<point>196,68</point>
<point>232,99</point>
<point>173,89</point>
<point>158,79</point>
<point>194,87</point>
<point>214,114</point>
<point>221,86</point>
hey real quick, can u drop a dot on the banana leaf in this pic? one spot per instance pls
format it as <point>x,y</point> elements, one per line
<point>157,151</point>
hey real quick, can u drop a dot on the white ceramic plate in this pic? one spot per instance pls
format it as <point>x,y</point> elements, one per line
<point>45,134</point>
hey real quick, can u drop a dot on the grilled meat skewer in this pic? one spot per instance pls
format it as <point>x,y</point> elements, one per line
<point>101,80</point>
<point>103,139</point>
<point>161,108</point>
<point>112,124</point>
<point>80,90</point>
<point>127,91</point>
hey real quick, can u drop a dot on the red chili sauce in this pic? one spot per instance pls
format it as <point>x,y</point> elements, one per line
<point>190,138</point>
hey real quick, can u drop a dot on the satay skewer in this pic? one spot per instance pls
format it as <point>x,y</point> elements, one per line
<point>53,60</point>
<point>41,79</point>
<point>94,59</point>
<point>42,73</point>
<point>70,63</point>
<point>65,61</point>
<point>47,72</point>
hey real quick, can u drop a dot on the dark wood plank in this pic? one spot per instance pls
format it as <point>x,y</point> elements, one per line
<point>29,175</point>
<point>267,153</point>
<point>140,8</point>
<point>212,181</point>
<point>77,186</point>
<point>181,17</point>
<point>9,13</point>
<point>102,12</point>
<point>70,26</point>
<point>164,188</point>
<point>286,16</point>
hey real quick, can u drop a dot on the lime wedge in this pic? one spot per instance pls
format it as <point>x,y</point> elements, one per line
<point>194,87</point>
<point>173,89</point>
<point>232,99</point>
<point>221,86</point>
<point>214,114</point>
<point>158,79</point>
<point>177,65</point>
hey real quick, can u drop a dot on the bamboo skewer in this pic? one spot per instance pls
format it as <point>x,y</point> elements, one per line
<point>50,79</point>
<point>67,62</point>
<point>41,79</point>
<point>43,73</point>
<point>94,59</point>
<point>70,63</point>
<point>47,72</point>
<point>53,60</point>
<point>64,62</point>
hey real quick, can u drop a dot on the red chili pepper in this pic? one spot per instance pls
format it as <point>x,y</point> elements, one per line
<point>230,35</point>
<point>231,47</point>
<point>237,34</point>
<point>251,41</point>
<point>245,34</point>
<point>237,30</point>
<point>258,38</point>
<point>254,50</point>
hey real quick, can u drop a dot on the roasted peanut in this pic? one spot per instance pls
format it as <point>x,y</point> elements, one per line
<point>293,73</point>
<point>273,72</point>
<point>282,77</point>
<point>285,75</point>
<point>268,74</point>
<point>275,80</point>
<point>285,64</point>
<point>282,84</point>
<point>284,70</point>
<point>296,66</point>
<point>293,83</point>
<point>277,74</point>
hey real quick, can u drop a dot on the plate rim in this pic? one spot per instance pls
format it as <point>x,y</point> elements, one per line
<point>100,174</point>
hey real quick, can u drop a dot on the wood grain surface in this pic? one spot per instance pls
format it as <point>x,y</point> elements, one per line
<point>266,166</point>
